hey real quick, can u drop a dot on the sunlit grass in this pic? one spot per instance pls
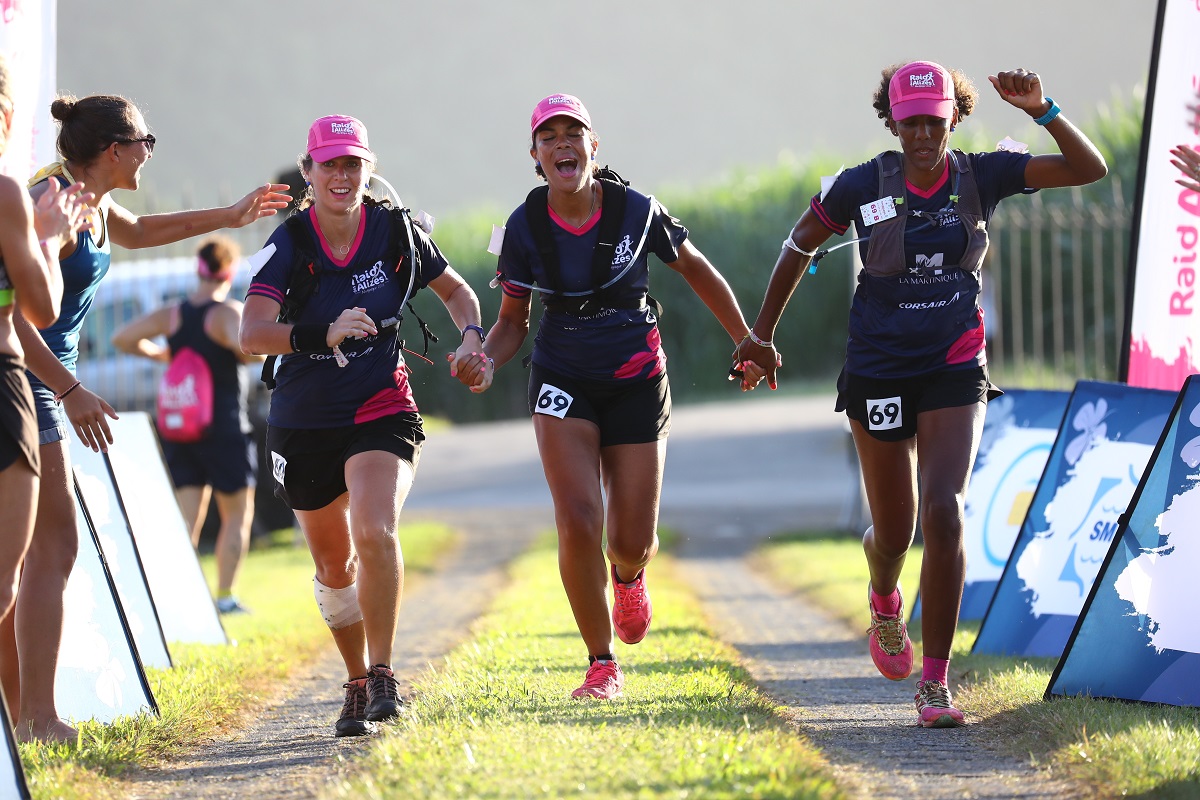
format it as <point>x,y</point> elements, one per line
<point>210,689</point>
<point>496,719</point>
<point>1114,748</point>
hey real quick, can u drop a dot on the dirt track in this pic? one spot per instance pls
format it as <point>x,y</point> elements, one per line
<point>735,473</point>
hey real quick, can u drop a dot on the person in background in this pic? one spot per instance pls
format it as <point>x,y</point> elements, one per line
<point>104,142</point>
<point>598,389</point>
<point>30,237</point>
<point>915,382</point>
<point>224,462</point>
<point>344,434</point>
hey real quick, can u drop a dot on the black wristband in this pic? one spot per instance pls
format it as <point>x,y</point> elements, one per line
<point>309,338</point>
<point>477,329</point>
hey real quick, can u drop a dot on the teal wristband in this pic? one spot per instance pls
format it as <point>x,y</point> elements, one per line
<point>1049,116</point>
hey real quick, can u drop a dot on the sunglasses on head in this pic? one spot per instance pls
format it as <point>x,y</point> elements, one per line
<point>147,140</point>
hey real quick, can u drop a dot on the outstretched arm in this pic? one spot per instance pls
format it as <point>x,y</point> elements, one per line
<point>1077,163</point>
<point>137,336</point>
<point>133,232</point>
<point>807,234</point>
<point>469,363</point>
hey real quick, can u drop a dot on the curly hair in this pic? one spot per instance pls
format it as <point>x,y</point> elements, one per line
<point>965,93</point>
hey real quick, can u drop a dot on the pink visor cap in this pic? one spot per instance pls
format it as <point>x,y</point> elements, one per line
<point>922,87</point>
<point>337,135</point>
<point>559,105</point>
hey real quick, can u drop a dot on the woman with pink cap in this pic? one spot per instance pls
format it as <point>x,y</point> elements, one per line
<point>224,461</point>
<point>598,389</point>
<point>344,435</point>
<point>915,382</point>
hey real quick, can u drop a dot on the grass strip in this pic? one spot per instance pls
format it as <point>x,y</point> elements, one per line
<point>1114,748</point>
<point>496,719</point>
<point>210,688</point>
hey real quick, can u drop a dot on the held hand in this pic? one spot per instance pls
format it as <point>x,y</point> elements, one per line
<point>1022,89</point>
<point>62,213</point>
<point>353,323</point>
<point>764,360</point>
<point>87,412</point>
<point>265,201</point>
<point>1187,161</point>
<point>474,369</point>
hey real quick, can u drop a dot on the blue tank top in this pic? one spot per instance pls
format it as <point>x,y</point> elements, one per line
<point>81,273</point>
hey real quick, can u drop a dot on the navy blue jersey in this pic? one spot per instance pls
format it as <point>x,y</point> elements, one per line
<point>888,340</point>
<point>312,391</point>
<point>615,344</point>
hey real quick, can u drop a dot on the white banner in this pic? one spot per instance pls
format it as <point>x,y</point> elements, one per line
<point>1164,327</point>
<point>28,30</point>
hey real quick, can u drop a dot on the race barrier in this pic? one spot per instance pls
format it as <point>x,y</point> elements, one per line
<point>1018,432</point>
<point>100,676</point>
<point>1136,637</point>
<point>185,606</point>
<point>1103,445</point>
<point>120,551</point>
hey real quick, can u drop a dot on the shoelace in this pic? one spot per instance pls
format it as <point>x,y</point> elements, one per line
<point>355,706</point>
<point>599,674</point>
<point>382,684</point>
<point>630,598</point>
<point>891,634</point>
<point>932,694</point>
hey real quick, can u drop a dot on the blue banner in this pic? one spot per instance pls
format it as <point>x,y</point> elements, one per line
<point>1102,448</point>
<point>1137,638</point>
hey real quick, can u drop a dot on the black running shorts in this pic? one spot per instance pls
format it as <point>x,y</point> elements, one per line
<point>630,412</point>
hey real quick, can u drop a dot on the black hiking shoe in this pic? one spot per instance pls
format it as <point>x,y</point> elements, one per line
<point>353,721</point>
<point>383,695</point>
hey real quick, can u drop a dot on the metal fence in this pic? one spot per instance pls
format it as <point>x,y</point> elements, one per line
<point>1054,290</point>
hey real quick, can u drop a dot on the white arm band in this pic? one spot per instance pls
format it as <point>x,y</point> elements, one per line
<point>788,243</point>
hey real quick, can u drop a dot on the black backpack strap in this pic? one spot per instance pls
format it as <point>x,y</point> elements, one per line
<point>612,214</point>
<point>303,280</point>
<point>537,213</point>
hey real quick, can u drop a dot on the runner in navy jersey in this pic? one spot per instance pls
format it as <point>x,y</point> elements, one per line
<point>598,388</point>
<point>344,435</point>
<point>915,381</point>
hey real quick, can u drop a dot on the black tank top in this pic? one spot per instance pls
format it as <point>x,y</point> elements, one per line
<point>230,385</point>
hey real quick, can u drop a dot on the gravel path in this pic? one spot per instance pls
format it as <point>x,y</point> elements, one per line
<point>822,672</point>
<point>289,751</point>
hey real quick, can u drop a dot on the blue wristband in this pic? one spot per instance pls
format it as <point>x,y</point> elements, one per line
<point>1049,116</point>
<point>477,329</point>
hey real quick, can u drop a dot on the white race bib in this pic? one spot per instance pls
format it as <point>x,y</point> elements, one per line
<point>884,414</point>
<point>278,467</point>
<point>553,401</point>
<point>878,210</point>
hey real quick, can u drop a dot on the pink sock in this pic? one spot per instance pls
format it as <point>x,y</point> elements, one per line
<point>934,669</point>
<point>886,604</point>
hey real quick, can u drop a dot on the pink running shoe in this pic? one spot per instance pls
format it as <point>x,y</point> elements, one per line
<point>604,681</point>
<point>631,608</point>
<point>934,709</point>
<point>891,649</point>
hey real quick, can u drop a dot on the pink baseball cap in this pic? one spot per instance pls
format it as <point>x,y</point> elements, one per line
<point>338,135</point>
<point>922,87</point>
<point>565,105</point>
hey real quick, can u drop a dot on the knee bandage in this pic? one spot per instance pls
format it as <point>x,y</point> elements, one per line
<point>339,607</point>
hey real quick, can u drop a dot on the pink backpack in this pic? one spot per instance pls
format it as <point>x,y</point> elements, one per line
<point>185,398</point>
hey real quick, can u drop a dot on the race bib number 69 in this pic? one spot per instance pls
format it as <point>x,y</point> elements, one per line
<point>884,414</point>
<point>553,401</point>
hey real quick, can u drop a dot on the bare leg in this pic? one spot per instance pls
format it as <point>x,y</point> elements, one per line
<point>632,475</point>
<point>233,541</point>
<point>327,532</point>
<point>193,503</point>
<point>570,451</point>
<point>947,440</point>
<point>39,612</point>
<point>19,486</point>
<point>890,476</point>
